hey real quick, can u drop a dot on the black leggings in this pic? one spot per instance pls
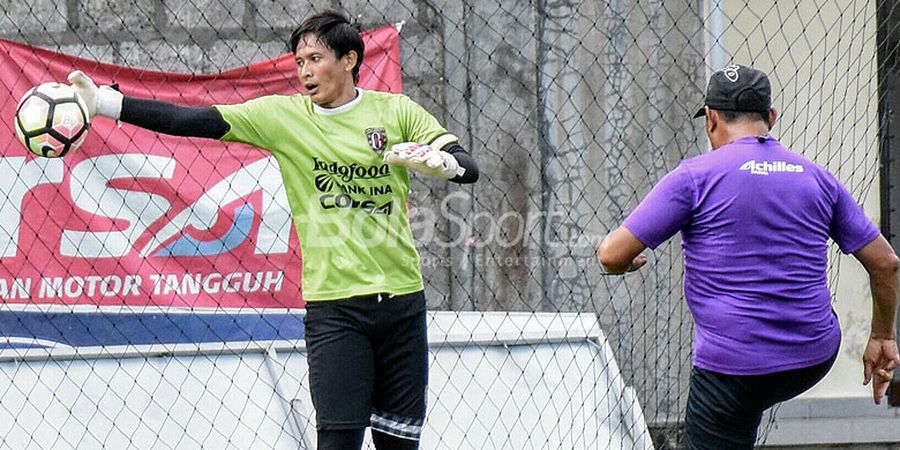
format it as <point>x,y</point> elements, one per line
<point>353,439</point>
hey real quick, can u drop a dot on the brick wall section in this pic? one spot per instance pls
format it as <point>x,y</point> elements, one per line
<point>196,36</point>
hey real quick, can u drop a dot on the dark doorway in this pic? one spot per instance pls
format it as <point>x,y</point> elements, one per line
<point>888,37</point>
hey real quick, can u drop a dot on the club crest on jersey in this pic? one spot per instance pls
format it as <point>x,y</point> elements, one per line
<point>377,139</point>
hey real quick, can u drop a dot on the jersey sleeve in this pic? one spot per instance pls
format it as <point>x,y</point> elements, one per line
<point>850,228</point>
<point>246,121</point>
<point>665,211</point>
<point>418,125</point>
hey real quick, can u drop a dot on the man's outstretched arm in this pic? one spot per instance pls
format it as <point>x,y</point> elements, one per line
<point>880,357</point>
<point>162,117</point>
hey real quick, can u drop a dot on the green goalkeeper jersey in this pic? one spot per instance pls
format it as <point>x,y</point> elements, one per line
<point>349,207</point>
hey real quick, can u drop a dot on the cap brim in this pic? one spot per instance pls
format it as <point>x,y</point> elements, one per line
<point>701,112</point>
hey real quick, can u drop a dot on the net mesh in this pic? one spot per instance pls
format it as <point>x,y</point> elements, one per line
<point>572,109</point>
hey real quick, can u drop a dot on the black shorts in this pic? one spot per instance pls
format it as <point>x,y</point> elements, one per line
<point>724,411</point>
<point>368,363</point>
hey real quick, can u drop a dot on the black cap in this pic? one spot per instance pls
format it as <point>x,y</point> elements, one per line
<point>738,88</point>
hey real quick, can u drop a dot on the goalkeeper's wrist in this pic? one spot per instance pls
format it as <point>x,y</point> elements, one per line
<point>451,167</point>
<point>109,102</point>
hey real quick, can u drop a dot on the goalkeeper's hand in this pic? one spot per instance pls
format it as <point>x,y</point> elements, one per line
<point>104,101</point>
<point>424,159</point>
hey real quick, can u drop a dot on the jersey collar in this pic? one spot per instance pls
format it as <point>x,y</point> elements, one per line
<point>346,107</point>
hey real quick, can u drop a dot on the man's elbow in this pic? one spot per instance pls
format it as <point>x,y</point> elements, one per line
<point>473,175</point>
<point>610,260</point>
<point>879,259</point>
<point>888,265</point>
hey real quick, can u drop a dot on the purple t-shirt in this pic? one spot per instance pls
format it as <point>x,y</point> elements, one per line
<point>755,219</point>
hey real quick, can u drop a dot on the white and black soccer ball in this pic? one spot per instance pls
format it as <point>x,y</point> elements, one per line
<point>52,120</point>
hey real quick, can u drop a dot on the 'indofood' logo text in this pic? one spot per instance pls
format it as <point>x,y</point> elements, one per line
<point>325,182</point>
<point>348,173</point>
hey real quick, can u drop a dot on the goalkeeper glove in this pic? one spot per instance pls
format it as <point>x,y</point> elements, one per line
<point>424,159</point>
<point>104,101</point>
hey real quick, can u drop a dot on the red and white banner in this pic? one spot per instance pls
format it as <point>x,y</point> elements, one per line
<point>137,218</point>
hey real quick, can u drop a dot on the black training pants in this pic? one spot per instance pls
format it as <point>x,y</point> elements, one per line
<point>724,411</point>
<point>368,363</point>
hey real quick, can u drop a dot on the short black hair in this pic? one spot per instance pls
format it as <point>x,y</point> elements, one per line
<point>734,116</point>
<point>333,29</point>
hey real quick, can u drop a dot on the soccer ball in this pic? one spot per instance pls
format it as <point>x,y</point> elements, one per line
<point>51,120</point>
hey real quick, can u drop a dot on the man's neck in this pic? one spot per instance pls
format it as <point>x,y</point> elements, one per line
<point>740,130</point>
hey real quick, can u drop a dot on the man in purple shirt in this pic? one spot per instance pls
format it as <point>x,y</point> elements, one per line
<point>755,219</point>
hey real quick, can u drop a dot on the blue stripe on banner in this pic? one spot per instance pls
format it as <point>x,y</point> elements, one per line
<point>6,346</point>
<point>78,329</point>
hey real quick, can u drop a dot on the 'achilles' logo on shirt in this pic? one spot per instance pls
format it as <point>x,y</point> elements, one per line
<point>766,167</point>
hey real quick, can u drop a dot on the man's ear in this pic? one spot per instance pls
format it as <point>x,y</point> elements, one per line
<point>712,120</point>
<point>773,116</point>
<point>350,60</point>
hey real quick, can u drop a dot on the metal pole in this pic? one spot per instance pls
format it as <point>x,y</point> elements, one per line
<point>296,431</point>
<point>717,56</point>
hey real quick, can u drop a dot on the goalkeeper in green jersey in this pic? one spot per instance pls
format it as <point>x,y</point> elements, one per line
<point>344,154</point>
